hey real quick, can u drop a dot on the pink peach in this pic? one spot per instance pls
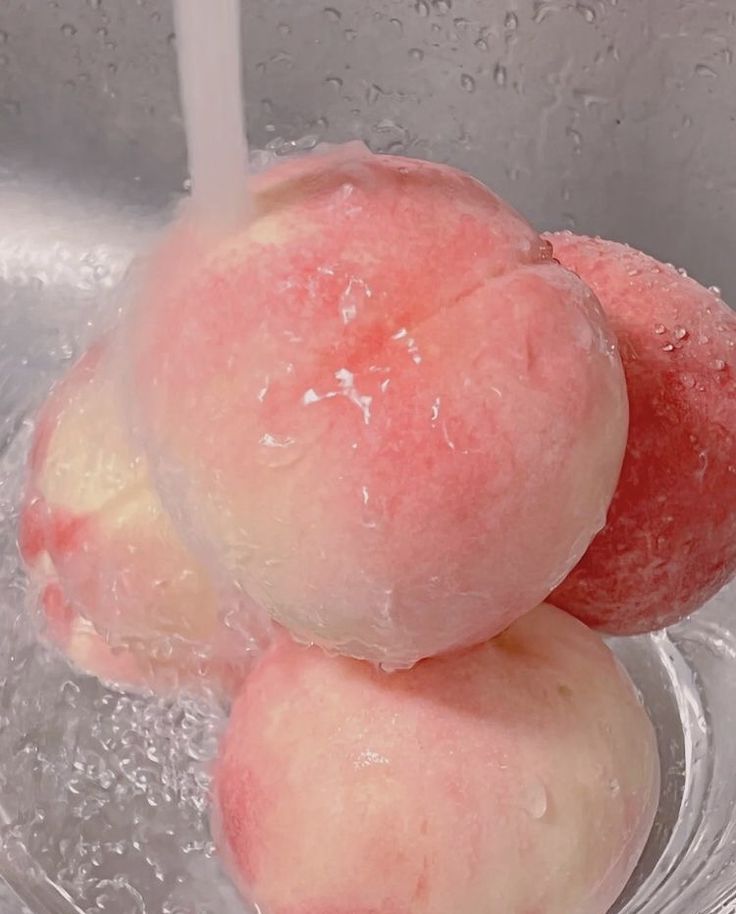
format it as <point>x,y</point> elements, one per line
<point>515,777</point>
<point>384,410</point>
<point>121,592</point>
<point>670,540</point>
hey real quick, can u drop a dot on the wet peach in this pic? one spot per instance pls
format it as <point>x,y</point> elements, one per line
<point>514,777</point>
<point>670,540</point>
<point>121,592</point>
<point>381,408</point>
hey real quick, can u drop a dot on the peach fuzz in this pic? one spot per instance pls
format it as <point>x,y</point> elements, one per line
<point>120,592</point>
<point>670,540</point>
<point>389,416</point>
<point>518,776</point>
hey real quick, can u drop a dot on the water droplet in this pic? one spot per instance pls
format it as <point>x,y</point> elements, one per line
<point>332,14</point>
<point>702,69</point>
<point>614,788</point>
<point>112,68</point>
<point>542,9</point>
<point>534,800</point>
<point>682,271</point>
<point>680,333</point>
<point>500,75</point>
<point>416,54</point>
<point>373,93</point>
<point>284,28</point>
<point>70,692</point>
<point>156,16</point>
<point>687,380</point>
<point>659,328</point>
<point>335,82</point>
<point>350,34</point>
<point>171,39</point>
<point>481,44</point>
<point>95,4</point>
<point>281,57</point>
<point>716,290</point>
<point>398,25</point>
<point>422,8</point>
<point>68,29</point>
<point>719,365</point>
<point>587,12</point>
<point>589,99</point>
<point>467,82</point>
<point>577,140</point>
<point>669,347</point>
<point>511,22</point>
<point>442,6</point>
<point>460,24</point>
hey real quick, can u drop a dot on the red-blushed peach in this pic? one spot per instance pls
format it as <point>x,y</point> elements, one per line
<point>390,417</point>
<point>520,775</point>
<point>120,592</point>
<point>670,540</point>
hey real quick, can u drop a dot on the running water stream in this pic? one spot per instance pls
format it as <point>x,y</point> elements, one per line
<point>209,58</point>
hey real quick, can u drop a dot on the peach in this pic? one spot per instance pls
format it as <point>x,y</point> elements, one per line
<point>121,593</point>
<point>517,777</point>
<point>670,540</point>
<point>82,644</point>
<point>384,410</point>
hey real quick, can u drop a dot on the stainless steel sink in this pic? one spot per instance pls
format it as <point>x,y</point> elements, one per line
<point>612,117</point>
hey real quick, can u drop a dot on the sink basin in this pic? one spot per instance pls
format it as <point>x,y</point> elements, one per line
<point>612,117</point>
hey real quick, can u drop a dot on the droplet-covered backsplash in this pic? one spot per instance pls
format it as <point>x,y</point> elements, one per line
<point>610,117</point>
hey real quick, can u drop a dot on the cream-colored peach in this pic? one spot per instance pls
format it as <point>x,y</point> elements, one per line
<point>382,408</point>
<point>104,553</point>
<point>517,777</point>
